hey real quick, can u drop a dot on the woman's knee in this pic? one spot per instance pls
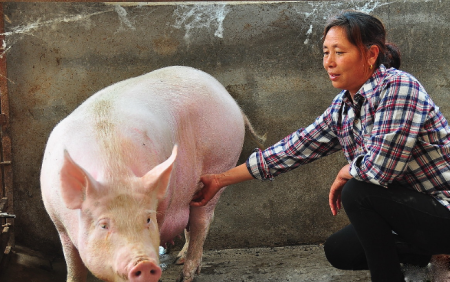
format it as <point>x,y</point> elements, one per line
<point>334,254</point>
<point>344,251</point>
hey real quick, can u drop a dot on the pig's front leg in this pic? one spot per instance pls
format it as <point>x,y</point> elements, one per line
<point>200,219</point>
<point>76,270</point>
<point>181,257</point>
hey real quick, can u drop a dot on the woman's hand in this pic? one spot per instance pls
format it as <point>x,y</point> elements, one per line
<point>210,188</point>
<point>212,183</point>
<point>334,197</point>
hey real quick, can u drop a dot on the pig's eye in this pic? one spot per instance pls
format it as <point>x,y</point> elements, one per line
<point>103,225</point>
<point>148,220</point>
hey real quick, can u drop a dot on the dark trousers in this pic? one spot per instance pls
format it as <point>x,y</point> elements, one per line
<point>421,225</point>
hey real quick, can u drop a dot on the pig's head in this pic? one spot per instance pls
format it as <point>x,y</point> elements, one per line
<point>118,238</point>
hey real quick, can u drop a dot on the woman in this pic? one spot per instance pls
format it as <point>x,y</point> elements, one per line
<point>396,186</point>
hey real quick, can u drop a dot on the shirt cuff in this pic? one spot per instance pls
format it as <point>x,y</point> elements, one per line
<point>257,166</point>
<point>355,171</point>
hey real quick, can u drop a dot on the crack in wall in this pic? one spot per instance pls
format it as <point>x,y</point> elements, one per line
<point>18,32</point>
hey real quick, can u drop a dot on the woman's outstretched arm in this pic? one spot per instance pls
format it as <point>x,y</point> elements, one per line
<point>214,182</point>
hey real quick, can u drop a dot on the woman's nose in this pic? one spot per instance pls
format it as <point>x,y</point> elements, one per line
<point>328,61</point>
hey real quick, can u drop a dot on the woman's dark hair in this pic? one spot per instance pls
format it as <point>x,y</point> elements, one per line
<point>363,31</point>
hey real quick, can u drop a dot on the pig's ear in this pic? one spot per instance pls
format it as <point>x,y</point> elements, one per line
<point>74,183</point>
<point>157,179</point>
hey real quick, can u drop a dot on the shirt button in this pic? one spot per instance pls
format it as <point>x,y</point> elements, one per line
<point>356,121</point>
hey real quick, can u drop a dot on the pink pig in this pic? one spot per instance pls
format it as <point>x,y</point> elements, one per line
<point>120,171</point>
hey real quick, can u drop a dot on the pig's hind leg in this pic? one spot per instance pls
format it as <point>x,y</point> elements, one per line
<point>200,219</point>
<point>76,270</point>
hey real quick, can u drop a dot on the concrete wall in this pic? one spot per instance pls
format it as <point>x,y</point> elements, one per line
<point>268,55</point>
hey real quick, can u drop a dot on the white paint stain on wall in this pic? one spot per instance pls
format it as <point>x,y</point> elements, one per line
<point>31,27</point>
<point>122,13</point>
<point>200,16</point>
<point>189,17</point>
<point>321,11</point>
<point>308,33</point>
<point>369,6</point>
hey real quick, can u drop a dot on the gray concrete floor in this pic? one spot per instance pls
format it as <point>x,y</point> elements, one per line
<point>296,263</point>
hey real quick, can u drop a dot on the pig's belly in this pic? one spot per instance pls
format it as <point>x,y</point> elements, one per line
<point>174,224</point>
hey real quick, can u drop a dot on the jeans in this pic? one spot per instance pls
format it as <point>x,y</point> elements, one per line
<point>421,227</point>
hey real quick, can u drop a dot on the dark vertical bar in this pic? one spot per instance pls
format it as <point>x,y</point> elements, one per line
<point>3,93</point>
<point>7,180</point>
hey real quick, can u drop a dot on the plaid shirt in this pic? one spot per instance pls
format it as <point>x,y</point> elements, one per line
<point>392,131</point>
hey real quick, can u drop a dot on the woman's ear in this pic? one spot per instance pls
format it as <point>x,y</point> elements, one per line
<point>372,55</point>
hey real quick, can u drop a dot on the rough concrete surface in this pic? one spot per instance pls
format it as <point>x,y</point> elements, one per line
<point>299,263</point>
<point>279,264</point>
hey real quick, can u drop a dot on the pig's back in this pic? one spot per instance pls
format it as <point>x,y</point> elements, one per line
<point>158,107</point>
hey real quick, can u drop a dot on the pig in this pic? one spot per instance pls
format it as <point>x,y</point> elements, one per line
<point>119,172</point>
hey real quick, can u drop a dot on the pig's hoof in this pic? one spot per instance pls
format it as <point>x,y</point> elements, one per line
<point>180,260</point>
<point>181,257</point>
<point>185,279</point>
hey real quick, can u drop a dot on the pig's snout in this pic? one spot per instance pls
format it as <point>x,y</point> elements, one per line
<point>145,271</point>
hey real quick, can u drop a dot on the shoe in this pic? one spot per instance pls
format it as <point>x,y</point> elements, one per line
<point>414,273</point>
<point>440,268</point>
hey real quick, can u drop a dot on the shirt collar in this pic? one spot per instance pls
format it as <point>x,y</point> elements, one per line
<point>365,92</point>
<point>367,89</point>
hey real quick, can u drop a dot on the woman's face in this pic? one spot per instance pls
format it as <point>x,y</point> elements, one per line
<point>343,61</point>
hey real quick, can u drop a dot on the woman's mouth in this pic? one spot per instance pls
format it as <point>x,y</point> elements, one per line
<point>333,76</point>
